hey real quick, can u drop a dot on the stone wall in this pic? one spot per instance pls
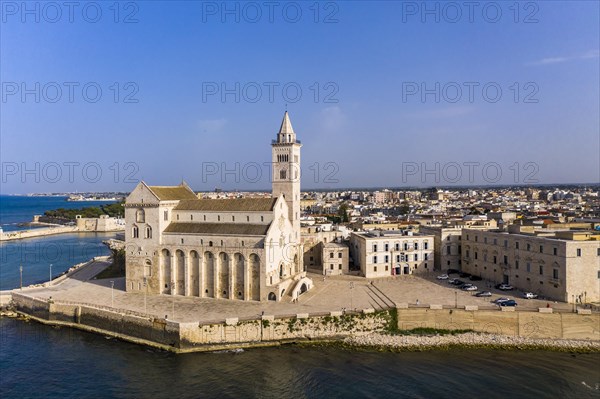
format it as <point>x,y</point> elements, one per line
<point>270,330</point>
<point>526,324</point>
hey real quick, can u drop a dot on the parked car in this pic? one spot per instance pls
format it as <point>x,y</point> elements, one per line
<point>529,295</point>
<point>501,299</point>
<point>504,287</point>
<point>463,274</point>
<point>452,271</point>
<point>452,280</point>
<point>469,287</point>
<point>510,302</point>
<point>458,282</point>
<point>442,277</point>
<point>475,278</point>
<point>483,294</point>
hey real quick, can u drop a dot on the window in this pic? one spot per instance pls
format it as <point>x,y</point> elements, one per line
<point>282,174</point>
<point>578,251</point>
<point>476,238</point>
<point>191,217</point>
<point>205,218</point>
<point>374,247</point>
<point>495,260</point>
<point>210,243</point>
<point>467,253</point>
<point>495,242</point>
<point>340,266</point>
<point>528,267</point>
<point>516,245</point>
<point>505,243</point>
<point>331,254</point>
<point>331,266</point>
<point>597,251</point>
<point>247,218</point>
<point>505,260</point>
<point>406,246</point>
<point>416,257</point>
<point>166,215</point>
<point>528,247</point>
<point>397,258</point>
<point>262,218</point>
<point>340,255</point>
<point>541,270</point>
<point>387,259</point>
<point>374,259</point>
<point>148,232</point>
<point>233,218</point>
<point>425,245</point>
<point>475,255</point>
<point>135,232</point>
<point>448,250</point>
<point>555,274</point>
<point>387,247</point>
<point>517,264</point>
<point>397,247</point>
<point>374,268</point>
<point>467,237</point>
<point>218,218</point>
<point>426,257</point>
<point>416,245</point>
<point>541,249</point>
<point>555,251</point>
<point>485,240</point>
<point>177,217</point>
<point>387,268</point>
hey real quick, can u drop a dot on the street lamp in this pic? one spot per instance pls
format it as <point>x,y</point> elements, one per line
<point>351,295</point>
<point>112,294</point>
<point>145,291</point>
<point>173,294</point>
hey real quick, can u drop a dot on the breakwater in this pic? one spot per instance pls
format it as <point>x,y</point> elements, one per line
<point>270,330</point>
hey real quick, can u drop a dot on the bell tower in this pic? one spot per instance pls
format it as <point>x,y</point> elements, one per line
<point>286,171</point>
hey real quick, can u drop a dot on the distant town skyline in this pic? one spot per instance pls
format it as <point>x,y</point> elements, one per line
<point>188,92</point>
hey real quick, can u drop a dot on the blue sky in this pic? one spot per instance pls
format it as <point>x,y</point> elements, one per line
<point>361,68</point>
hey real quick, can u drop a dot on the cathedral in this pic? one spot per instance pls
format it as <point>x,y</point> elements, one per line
<point>240,249</point>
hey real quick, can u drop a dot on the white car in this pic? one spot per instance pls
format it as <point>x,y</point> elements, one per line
<point>470,288</point>
<point>442,277</point>
<point>529,295</point>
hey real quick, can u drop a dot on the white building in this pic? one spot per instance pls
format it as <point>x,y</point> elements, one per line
<point>390,253</point>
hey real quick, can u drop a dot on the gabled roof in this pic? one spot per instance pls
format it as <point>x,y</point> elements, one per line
<point>218,228</point>
<point>228,205</point>
<point>172,193</point>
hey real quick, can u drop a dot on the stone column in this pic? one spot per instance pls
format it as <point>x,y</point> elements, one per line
<point>216,266</point>
<point>247,277</point>
<point>186,274</point>
<point>201,275</point>
<point>173,274</point>
<point>230,264</point>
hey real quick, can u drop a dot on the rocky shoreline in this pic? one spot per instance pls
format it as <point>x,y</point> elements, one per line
<point>380,341</point>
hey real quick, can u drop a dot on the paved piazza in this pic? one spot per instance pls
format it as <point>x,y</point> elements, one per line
<point>331,294</point>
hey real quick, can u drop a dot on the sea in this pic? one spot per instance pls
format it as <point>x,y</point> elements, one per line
<point>39,361</point>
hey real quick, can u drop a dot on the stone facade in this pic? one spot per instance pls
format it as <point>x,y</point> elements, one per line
<point>390,253</point>
<point>336,258</point>
<point>564,266</point>
<point>244,248</point>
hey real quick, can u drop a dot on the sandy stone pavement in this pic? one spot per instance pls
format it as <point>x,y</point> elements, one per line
<point>329,294</point>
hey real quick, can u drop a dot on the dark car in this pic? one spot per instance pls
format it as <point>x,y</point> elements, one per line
<point>458,283</point>
<point>452,271</point>
<point>510,302</point>
<point>463,274</point>
<point>475,278</point>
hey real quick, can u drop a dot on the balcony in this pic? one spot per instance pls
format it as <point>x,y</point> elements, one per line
<point>276,142</point>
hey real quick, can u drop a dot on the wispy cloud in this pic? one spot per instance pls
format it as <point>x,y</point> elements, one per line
<point>444,112</point>
<point>592,54</point>
<point>211,125</point>
<point>332,119</point>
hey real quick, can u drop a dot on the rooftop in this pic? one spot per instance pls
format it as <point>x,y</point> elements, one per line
<point>228,205</point>
<point>218,228</point>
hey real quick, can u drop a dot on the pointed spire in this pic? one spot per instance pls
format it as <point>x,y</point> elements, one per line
<point>286,125</point>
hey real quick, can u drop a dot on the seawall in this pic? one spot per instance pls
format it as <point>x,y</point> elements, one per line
<point>269,330</point>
